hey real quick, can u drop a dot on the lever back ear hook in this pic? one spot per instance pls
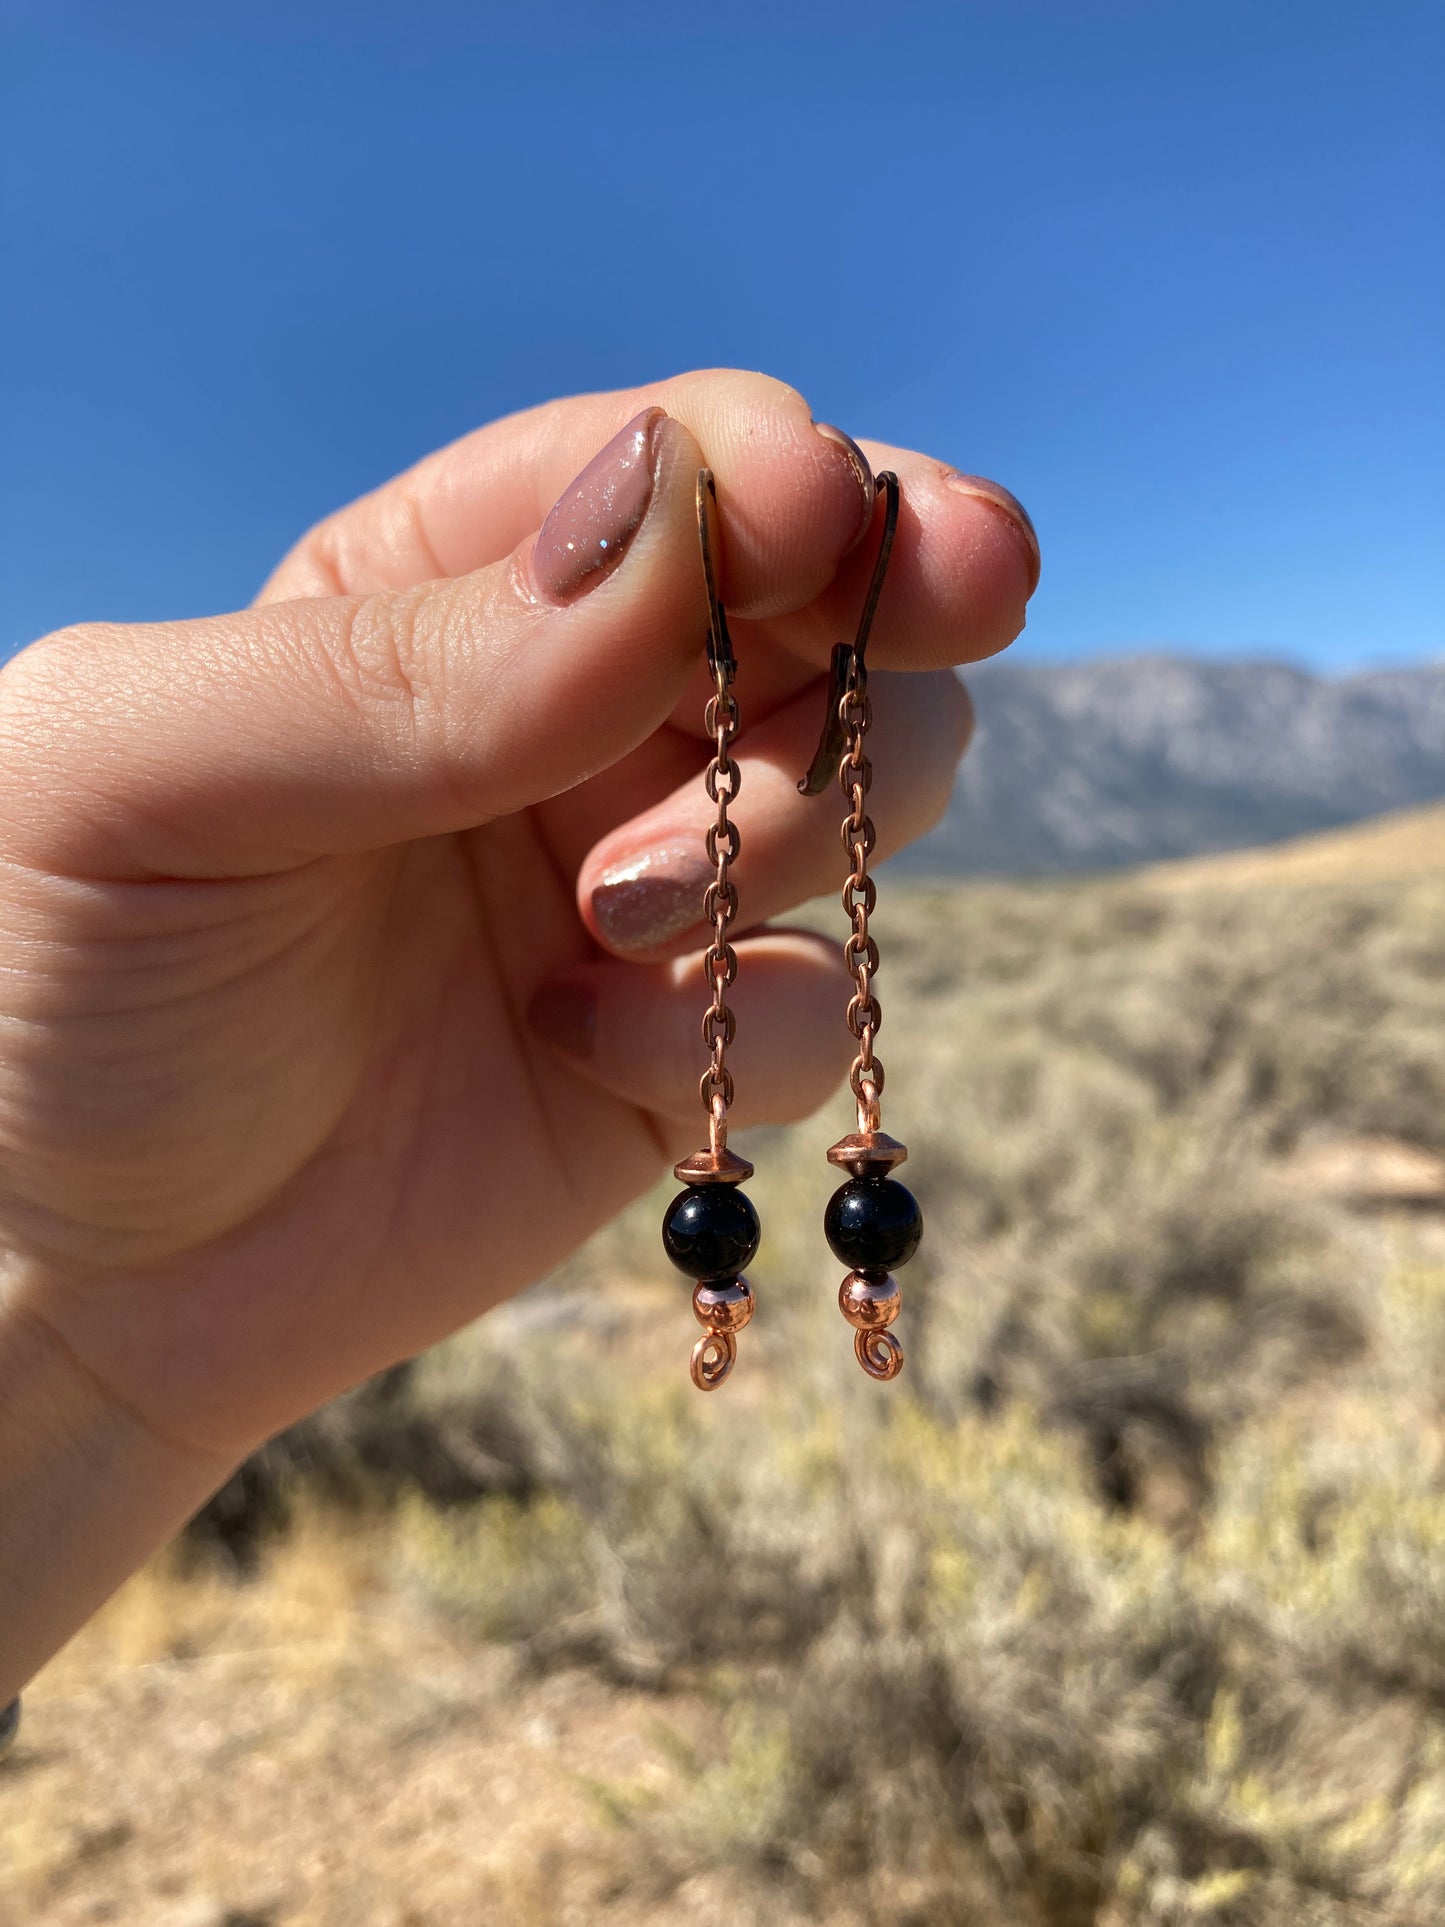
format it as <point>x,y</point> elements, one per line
<point>848,657</point>
<point>720,658</point>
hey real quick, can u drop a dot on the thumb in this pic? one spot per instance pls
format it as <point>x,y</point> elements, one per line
<point>255,742</point>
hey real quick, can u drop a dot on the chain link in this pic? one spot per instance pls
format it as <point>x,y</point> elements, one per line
<point>860,896</point>
<point>720,906</point>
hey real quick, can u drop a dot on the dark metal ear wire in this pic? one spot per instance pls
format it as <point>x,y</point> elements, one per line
<point>849,657</point>
<point>710,1230</point>
<point>720,658</point>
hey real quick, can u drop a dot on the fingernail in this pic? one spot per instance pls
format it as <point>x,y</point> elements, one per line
<point>565,1016</point>
<point>861,469</point>
<point>1012,510</point>
<point>587,532</point>
<point>652,899</point>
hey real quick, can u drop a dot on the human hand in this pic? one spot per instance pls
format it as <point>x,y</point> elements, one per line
<point>349,943</point>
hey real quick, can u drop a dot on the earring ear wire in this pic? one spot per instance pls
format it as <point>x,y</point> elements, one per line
<point>720,657</point>
<point>848,657</point>
<point>710,1231</point>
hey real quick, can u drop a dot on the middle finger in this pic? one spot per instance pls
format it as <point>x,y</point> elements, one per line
<point>640,886</point>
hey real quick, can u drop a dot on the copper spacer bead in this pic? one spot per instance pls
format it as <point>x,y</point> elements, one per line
<point>870,1300</point>
<point>713,1167</point>
<point>723,1308</point>
<point>868,1154</point>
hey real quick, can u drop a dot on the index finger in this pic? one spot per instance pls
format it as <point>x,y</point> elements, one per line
<point>795,498</point>
<point>794,495</point>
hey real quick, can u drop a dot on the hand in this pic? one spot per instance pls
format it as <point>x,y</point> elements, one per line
<point>349,944</point>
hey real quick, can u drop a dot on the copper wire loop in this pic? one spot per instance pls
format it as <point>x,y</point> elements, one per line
<point>714,1355</point>
<point>879,1353</point>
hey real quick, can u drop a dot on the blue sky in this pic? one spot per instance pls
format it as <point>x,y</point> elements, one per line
<point>1175,273</point>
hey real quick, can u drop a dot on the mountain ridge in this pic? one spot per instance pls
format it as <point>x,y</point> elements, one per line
<point>1152,757</point>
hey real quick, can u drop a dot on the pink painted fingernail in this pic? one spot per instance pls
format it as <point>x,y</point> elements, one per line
<point>648,901</point>
<point>1012,510</point>
<point>586,534</point>
<point>565,1016</point>
<point>859,462</point>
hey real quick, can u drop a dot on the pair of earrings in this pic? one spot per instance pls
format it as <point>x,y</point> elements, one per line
<point>872,1223</point>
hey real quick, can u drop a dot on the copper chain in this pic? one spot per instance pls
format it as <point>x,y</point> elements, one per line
<point>860,897</point>
<point>720,906</point>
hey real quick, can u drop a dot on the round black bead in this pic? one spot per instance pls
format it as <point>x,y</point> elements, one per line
<point>711,1231</point>
<point>873,1224</point>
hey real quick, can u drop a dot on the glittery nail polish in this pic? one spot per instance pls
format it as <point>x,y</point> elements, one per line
<point>651,899</point>
<point>586,534</point>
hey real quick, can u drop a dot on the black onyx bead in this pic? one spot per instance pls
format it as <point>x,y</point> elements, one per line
<point>711,1231</point>
<point>873,1224</point>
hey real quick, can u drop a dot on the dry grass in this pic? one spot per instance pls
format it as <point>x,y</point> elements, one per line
<point>1124,1607</point>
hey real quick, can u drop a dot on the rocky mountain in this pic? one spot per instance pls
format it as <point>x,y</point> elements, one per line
<point>1135,759</point>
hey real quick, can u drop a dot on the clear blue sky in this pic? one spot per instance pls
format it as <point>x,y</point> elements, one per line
<point>1174,272</point>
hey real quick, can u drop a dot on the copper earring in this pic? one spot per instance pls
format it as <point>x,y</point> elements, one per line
<point>710,1230</point>
<point>872,1223</point>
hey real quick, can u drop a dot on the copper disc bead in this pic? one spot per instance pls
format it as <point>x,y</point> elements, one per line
<point>724,1307</point>
<point>869,1301</point>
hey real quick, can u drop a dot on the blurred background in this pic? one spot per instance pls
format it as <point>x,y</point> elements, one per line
<point>1127,1603</point>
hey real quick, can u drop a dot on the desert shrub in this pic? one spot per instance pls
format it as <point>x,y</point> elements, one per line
<point>1127,1603</point>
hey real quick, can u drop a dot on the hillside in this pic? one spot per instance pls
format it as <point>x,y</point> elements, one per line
<point>1135,760</point>
<point>1396,848</point>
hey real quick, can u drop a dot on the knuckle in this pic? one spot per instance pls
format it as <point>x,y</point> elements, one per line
<point>317,564</point>
<point>400,661</point>
<point>710,397</point>
<point>385,661</point>
<point>770,391</point>
<point>46,677</point>
<point>55,702</point>
<point>381,538</point>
